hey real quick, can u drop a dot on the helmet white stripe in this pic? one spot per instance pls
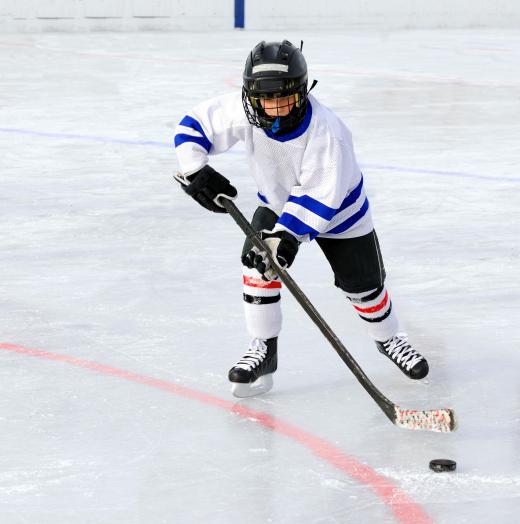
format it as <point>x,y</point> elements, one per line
<point>262,68</point>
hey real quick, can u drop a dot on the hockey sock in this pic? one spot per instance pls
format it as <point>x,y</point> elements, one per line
<point>261,305</point>
<point>375,308</point>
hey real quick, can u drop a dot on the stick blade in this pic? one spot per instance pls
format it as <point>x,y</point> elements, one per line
<point>440,420</point>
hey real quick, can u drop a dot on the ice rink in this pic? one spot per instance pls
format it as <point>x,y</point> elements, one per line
<point>121,299</point>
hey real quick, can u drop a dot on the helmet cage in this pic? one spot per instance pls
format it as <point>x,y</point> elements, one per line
<point>256,90</point>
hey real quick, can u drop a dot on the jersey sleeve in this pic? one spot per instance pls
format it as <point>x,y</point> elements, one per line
<point>210,128</point>
<point>329,197</point>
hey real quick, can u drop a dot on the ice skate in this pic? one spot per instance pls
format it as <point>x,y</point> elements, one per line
<point>253,373</point>
<point>402,354</point>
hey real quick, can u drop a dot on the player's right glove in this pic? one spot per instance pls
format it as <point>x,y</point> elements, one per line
<point>283,247</point>
<point>206,186</point>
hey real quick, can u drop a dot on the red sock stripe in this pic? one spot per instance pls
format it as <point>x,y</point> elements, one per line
<point>258,282</point>
<point>376,308</point>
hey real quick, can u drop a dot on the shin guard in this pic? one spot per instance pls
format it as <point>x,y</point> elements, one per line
<point>374,307</point>
<point>261,305</point>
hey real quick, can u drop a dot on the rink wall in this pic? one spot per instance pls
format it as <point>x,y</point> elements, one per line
<point>115,15</point>
<point>203,15</point>
<point>381,14</point>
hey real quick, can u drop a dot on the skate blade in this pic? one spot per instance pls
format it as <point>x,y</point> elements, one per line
<point>261,385</point>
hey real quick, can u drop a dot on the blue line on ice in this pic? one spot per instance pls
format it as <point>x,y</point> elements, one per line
<point>154,143</point>
<point>87,138</point>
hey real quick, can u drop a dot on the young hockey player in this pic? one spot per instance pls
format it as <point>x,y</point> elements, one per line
<point>309,187</point>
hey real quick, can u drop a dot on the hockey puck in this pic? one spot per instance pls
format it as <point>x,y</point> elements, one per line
<point>441,465</point>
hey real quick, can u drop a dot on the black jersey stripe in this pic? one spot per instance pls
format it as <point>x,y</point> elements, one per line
<point>250,299</point>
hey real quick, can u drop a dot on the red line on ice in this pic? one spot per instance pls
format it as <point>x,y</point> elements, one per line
<point>404,508</point>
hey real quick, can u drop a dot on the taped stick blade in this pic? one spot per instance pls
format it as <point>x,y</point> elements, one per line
<point>440,420</point>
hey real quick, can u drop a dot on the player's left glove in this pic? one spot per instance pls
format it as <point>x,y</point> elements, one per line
<point>283,247</point>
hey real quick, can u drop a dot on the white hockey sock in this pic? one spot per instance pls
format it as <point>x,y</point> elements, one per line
<point>261,305</point>
<point>375,308</point>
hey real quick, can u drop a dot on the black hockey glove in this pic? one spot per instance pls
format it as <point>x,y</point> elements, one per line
<point>206,187</point>
<point>283,247</point>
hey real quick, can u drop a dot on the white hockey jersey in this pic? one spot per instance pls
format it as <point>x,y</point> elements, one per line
<point>309,177</point>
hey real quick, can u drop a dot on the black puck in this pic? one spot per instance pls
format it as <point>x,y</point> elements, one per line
<point>440,465</point>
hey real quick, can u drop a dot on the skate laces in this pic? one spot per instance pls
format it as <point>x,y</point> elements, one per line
<point>401,351</point>
<point>254,356</point>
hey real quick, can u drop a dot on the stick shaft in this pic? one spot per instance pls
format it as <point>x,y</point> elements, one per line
<point>387,406</point>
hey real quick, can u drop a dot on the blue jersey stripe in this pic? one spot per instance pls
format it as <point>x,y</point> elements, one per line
<point>313,205</point>
<point>182,138</point>
<point>263,198</point>
<point>296,225</point>
<point>190,122</point>
<point>350,199</point>
<point>347,224</point>
<point>323,211</point>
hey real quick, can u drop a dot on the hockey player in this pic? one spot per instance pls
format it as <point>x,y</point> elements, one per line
<point>310,187</point>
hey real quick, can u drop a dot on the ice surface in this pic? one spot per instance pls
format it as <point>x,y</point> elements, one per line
<point>103,259</point>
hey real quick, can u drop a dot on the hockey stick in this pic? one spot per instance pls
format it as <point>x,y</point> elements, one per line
<point>442,420</point>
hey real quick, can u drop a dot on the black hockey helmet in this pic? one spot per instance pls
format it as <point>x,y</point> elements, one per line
<point>275,70</point>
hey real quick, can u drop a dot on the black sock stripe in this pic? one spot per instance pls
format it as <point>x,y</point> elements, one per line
<point>250,299</point>
<point>368,298</point>
<point>378,319</point>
